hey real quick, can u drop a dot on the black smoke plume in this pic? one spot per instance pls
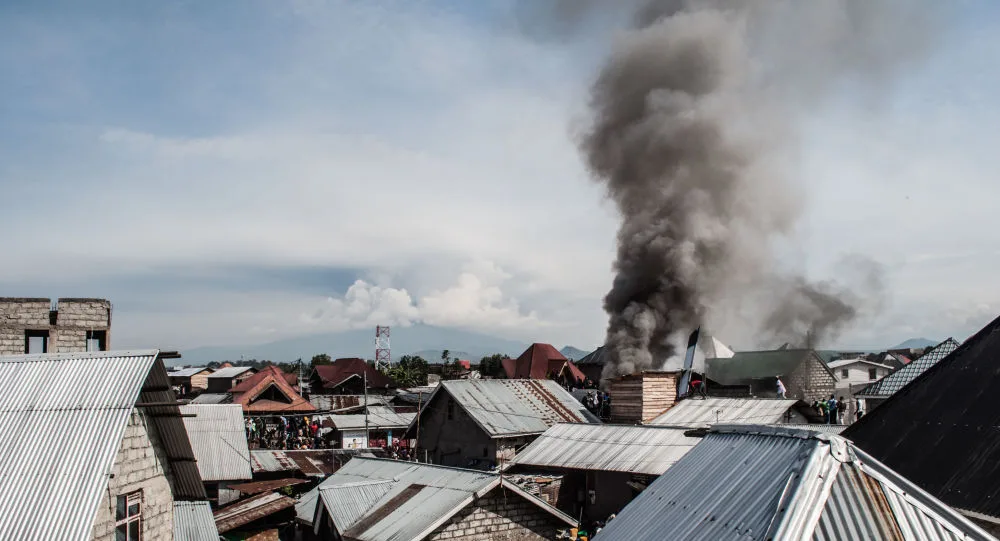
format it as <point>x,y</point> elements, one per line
<point>693,127</point>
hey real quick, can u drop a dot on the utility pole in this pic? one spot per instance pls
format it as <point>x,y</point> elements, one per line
<point>367,442</point>
<point>420,399</point>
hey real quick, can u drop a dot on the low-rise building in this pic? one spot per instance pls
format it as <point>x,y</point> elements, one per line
<point>603,467</point>
<point>348,376</point>
<point>93,447</point>
<point>378,500</point>
<point>269,392</point>
<point>754,482</point>
<point>188,380</point>
<point>856,372</point>
<point>37,325</point>
<point>543,361</point>
<point>225,378</point>
<point>482,423</point>
<point>803,372</point>
<point>876,393</point>
<point>218,438</point>
<point>383,428</point>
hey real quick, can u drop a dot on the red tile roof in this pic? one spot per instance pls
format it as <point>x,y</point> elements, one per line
<point>341,370</point>
<point>248,391</point>
<point>540,360</point>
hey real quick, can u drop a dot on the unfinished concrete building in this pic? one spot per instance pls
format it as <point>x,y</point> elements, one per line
<point>37,325</point>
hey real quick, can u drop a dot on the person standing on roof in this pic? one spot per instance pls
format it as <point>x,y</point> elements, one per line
<point>841,410</point>
<point>781,387</point>
<point>831,405</point>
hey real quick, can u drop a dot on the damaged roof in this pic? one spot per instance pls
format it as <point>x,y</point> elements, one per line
<point>699,413</point>
<point>509,407</point>
<point>387,500</point>
<point>624,448</point>
<point>746,366</point>
<point>940,430</point>
<point>895,381</point>
<point>757,483</point>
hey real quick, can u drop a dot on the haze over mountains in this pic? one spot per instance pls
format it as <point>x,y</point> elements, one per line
<point>424,340</point>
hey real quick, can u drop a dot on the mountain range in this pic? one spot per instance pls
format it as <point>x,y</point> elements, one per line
<point>425,340</point>
<point>916,343</point>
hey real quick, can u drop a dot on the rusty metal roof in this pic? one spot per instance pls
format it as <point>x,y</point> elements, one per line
<point>218,437</point>
<point>266,486</point>
<point>251,509</point>
<point>311,462</point>
<point>745,482</point>
<point>624,448</point>
<point>375,421</point>
<point>62,418</point>
<point>504,407</point>
<point>193,521</point>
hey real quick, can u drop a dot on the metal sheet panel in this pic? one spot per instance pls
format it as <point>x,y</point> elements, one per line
<point>251,509</point>
<point>193,521</point>
<point>895,381</point>
<point>710,411</point>
<point>623,448</point>
<point>213,398</point>
<point>349,502</point>
<point>229,372</point>
<point>187,372</point>
<point>376,421</point>
<point>62,417</point>
<point>510,407</point>
<point>218,437</point>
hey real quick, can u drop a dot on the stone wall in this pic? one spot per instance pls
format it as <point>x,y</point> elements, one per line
<point>139,465</point>
<point>810,381</point>
<point>67,327</point>
<point>501,515</point>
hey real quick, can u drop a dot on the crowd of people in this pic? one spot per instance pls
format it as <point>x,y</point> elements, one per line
<point>834,410</point>
<point>284,433</point>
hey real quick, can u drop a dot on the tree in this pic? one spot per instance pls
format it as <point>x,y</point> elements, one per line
<point>445,356</point>
<point>410,371</point>
<point>319,360</point>
<point>492,366</point>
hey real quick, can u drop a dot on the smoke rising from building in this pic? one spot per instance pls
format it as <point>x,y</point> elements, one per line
<point>694,117</point>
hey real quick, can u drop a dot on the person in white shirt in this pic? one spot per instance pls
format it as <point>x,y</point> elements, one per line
<point>781,387</point>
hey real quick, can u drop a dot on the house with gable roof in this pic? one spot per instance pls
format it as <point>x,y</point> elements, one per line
<point>268,391</point>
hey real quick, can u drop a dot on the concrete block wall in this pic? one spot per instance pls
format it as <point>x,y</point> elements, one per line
<point>501,515</point>
<point>75,317</point>
<point>811,381</point>
<point>139,465</point>
<point>18,315</point>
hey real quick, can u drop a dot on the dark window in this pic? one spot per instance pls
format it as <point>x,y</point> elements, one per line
<point>872,373</point>
<point>451,409</point>
<point>128,517</point>
<point>97,340</point>
<point>36,341</point>
<point>844,373</point>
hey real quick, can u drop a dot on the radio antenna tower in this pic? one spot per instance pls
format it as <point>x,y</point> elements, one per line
<point>383,358</point>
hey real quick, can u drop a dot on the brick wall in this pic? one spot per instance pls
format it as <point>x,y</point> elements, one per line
<point>139,465</point>
<point>811,381</point>
<point>501,515</point>
<point>17,315</point>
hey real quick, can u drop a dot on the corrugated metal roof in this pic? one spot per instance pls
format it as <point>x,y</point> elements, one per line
<point>421,498</point>
<point>218,437</point>
<point>62,417</point>
<point>895,381</point>
<point>213,398</point>
<point>349,502</point>
<point>311,462</point>
<point>229,372</point>
<point>848,362</point>
<point>251,509</point>
<point>696,413</point>
<point>266,486</point>
<point>634,449</point>
<point>511,407</point>
<point>193,521</point>
<point>347,402</point>
<point>756,482</point>
<point>188,372</point>
<point>376,421</point>
<point>747,366</point>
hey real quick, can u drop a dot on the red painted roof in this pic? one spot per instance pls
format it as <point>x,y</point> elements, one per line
<point>465,364</point>
<point>247,391</point>
<point>342,369</point>
<point>538,361</point>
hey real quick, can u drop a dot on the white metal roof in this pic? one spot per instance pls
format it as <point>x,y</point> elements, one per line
<point>229,372</point>
<point>213,398</point>
<point>699,413</point>
<point>188,372</point>
<point>218,438</point>
<point>421,499</point>
<point>847,362</point>
<point>62,417</point>
<point>193,521</point>
<point>509,407</point>
<point>754,482</point>
<point>376,421</point>
<point>624,448</point>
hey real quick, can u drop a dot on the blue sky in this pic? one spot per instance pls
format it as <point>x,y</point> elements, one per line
<point>238,172</point>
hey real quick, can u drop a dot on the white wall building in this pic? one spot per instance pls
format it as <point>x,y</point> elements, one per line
<point>857,372</point>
